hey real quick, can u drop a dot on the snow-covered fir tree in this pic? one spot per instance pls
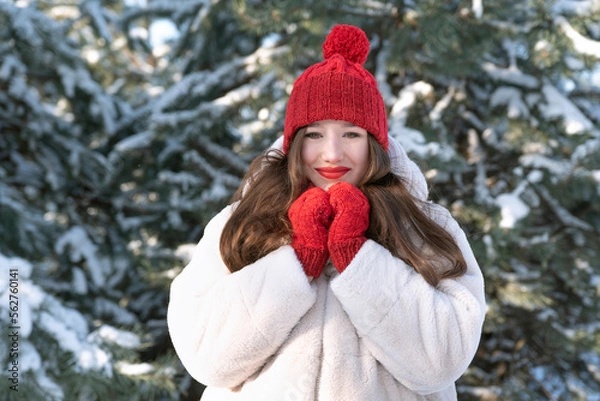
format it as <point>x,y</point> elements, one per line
<point>124,126</point>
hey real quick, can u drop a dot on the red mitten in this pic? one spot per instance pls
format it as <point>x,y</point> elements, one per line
<point>310,216</point>
<point>350,222</point>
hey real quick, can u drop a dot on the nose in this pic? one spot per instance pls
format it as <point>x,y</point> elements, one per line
<point>332,150</point>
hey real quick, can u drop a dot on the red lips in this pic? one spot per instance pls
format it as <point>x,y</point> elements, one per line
<point>332,173</point>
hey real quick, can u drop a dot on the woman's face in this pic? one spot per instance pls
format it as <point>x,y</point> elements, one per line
<point>334,151</point>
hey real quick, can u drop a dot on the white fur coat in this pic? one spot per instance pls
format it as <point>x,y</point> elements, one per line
<point>378,331</point>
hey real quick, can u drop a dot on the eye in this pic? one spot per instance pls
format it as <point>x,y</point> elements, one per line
<point>312,135</point>
<point>352,134</point>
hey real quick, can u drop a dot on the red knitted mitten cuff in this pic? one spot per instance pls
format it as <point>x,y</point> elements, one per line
<point>342,254</point>
<point>313,260</point>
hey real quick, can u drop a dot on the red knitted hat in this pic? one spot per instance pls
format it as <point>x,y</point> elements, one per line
<point>338,88</point>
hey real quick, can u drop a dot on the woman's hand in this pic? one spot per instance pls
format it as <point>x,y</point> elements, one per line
<point>310,216</point>
<point>350,222</point>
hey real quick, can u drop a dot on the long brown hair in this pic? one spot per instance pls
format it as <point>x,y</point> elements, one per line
<point>399,222</point>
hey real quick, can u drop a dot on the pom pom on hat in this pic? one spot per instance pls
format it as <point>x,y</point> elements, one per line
<point>348,41</point>
<point>339,88</point>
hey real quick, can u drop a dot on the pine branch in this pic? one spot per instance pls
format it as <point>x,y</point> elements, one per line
<point>566,218</point>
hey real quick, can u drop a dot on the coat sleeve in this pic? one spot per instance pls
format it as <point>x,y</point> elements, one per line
<point>424,336</point>
<point>225,326</point>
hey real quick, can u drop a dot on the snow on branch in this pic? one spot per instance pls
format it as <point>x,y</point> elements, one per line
<point>81,248</point>
<point>95,11</point>
<point>205,167</point>
<point>512,208</point>
<point>511,75</point>
<point>557,168</point>
<point>563,214</point>
<point>163,7</point>
<point>407,98</point>
<point>43,312</point>
<point>184,179</point>
<point>138,141</point>
<point>381,74</point>
<point>512,98</point>
<point>574,7</point>
<point>563,169</point>
<point>200,85</point>
<point>559,106</point>
<point>585,150</point>
<point>581,44</point>
<point>214,109</point>
<point>411,139</point>
<point>226,156</point>
<point>477,7</point>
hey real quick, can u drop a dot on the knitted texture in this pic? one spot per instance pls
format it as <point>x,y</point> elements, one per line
<point>350,222</point>
<point>339,88</point>
<point>310,216</point>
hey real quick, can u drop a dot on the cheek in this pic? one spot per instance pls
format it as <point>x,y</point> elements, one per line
<point>307,161</point>
<point>361,162</point>
<point>304,152</point>
<point>361,157</point>
<point>308,154</point>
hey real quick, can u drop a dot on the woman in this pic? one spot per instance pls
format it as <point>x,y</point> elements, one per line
<point>330,277</point>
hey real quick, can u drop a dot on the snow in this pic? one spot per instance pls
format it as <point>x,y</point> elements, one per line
<point>592,109</point>
<point>136,3</point>
<point>23,267</point>
<point>30,359</point>
<point>573,7</point>
<point>94,358</point>
<point>581,44</point>
<point>270,40</point>
<point>113,312</point>
<point>67,332</point>
<point>477,7</point>
<point>134,369</point>
<point>381,74</point>
<point>95,11</point>
<point>216,193</point>
<point>510,75</point>
<point>51,388</point>
<point>412,140</point>
<point>511,97</point>
<point>185,179</point>
<point>407,98</point>
<point>205,167</point>
<point>556,168</point>
<point>81,248</point>
<point>65,325</point>
<point>25,312</point>
<point>585,150</point>
<point>71,339</point>
<point>559,106</point>
<point>247,131</point>
<point>512,208</point>
<point>489,247</point>
<point>79,281</point>
<point>562,213</point>
<point>435,115</point>
<point>11,65</point>
<point>162,31</point>
<point>122,338</point>
<point>551,382</point>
